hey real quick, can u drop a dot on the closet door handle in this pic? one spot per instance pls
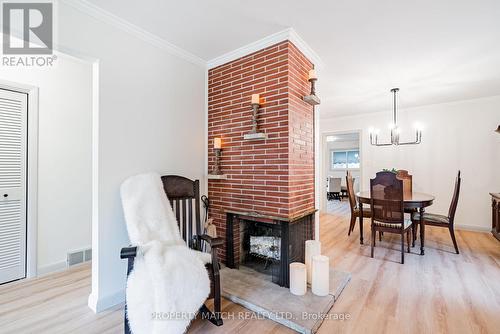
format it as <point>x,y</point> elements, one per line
<point>5,195</point>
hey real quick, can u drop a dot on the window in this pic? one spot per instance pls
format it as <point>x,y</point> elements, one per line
<point>345,159</point>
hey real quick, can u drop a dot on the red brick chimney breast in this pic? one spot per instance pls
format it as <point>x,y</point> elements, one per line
<point>274,176</point>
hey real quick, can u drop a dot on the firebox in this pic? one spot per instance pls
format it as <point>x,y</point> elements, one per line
<point>267,244</point>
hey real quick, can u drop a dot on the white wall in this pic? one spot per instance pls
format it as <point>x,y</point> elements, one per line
<point>456,135</point>
<point>151,118</point>
<point>64,157</point>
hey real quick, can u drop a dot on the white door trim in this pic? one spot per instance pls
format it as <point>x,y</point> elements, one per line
<point>32,173</point>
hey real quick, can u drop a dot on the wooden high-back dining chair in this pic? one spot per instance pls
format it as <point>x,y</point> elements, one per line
<point>442,220</point>
<point>184,197</point>
<point>407,191</point>
<point>407,181</point>
<point>387,207</point>
<point>355,213</point>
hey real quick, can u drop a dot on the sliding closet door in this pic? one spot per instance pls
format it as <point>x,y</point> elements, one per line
<point>13,138</point>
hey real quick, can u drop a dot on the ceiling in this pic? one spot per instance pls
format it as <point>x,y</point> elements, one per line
<point>434,51</point>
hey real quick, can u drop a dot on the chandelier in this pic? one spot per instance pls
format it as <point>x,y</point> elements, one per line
<point>394,129</point>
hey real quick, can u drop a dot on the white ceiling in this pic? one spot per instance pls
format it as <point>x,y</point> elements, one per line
<point>435,51</point>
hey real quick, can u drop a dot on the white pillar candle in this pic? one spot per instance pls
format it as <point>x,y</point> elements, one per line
<point>313,247</point>
<point>320,275</point>
<point>298,284</point>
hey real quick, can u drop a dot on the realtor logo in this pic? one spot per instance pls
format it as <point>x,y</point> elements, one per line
<point>32,23</point>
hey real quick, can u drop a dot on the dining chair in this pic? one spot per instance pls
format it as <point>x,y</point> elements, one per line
<point>407,178</point>
<point>404,175</point>
<point>387,207</point>
<point>355,212</point>
<point>328,195</point>
<point>433,219</point>
<point>334,188</point>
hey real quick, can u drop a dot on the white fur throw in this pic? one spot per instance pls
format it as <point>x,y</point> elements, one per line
<point>169,282</point>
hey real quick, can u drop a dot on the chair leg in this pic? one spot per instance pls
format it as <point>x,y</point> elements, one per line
<point>408,239</point>
<point>217,298</point>
<point>217,310</point>
<point>213,317</point>
<point>127,326</point>
<point>402,248</point>
<point>352,224</point>
<point>373,241</point>
<point>414,233</point>
<point>452,233</point>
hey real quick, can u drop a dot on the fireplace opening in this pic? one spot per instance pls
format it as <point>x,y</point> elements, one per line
<point>267,244</point>
<point>260,248</point>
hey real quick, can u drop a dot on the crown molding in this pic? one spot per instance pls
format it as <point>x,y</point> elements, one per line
<point>111,19</point>
<point>280,36</point>
<point>306,49</point>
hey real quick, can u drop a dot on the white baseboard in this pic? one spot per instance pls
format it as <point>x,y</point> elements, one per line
<point>51,268</point>
<point>473,228</point>
<point>97,304</point>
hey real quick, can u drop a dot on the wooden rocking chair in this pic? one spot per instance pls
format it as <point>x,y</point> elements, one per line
<point>181,192</point>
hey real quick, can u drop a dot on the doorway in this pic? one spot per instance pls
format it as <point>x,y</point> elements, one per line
<point>59,162</point>
<point>342,153</point>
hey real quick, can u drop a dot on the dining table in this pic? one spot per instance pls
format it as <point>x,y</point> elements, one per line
<point>413,200</point>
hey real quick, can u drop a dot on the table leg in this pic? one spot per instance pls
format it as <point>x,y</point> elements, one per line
<point>360,223</point>
<point>422,231</point>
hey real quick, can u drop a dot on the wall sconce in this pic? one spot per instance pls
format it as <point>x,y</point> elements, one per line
<point>312,99</point>
<point>255,111</point>
<point>254,134</point>
<point>218,152</point>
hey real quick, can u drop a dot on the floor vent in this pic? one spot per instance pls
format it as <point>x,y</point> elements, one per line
<point>87,256</point>
<point>79,257</point>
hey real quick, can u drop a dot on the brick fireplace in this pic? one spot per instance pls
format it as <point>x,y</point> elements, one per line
<point>272,177</point>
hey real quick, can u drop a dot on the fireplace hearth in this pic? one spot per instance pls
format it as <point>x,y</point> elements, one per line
<point>267,244</point>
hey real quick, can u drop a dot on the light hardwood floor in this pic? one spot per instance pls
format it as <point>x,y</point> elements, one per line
<point>440,292</point>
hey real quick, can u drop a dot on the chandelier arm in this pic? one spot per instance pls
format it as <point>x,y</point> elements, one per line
<point>383,144</point>
<point>418,138</point>
<point>376,143</point>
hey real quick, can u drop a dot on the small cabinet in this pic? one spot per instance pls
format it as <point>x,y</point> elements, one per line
<point>495,214</point>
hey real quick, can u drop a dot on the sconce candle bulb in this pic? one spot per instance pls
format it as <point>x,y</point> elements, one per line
<point>217,143</point>
<point>255,99</point>
<point>312,75</point>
